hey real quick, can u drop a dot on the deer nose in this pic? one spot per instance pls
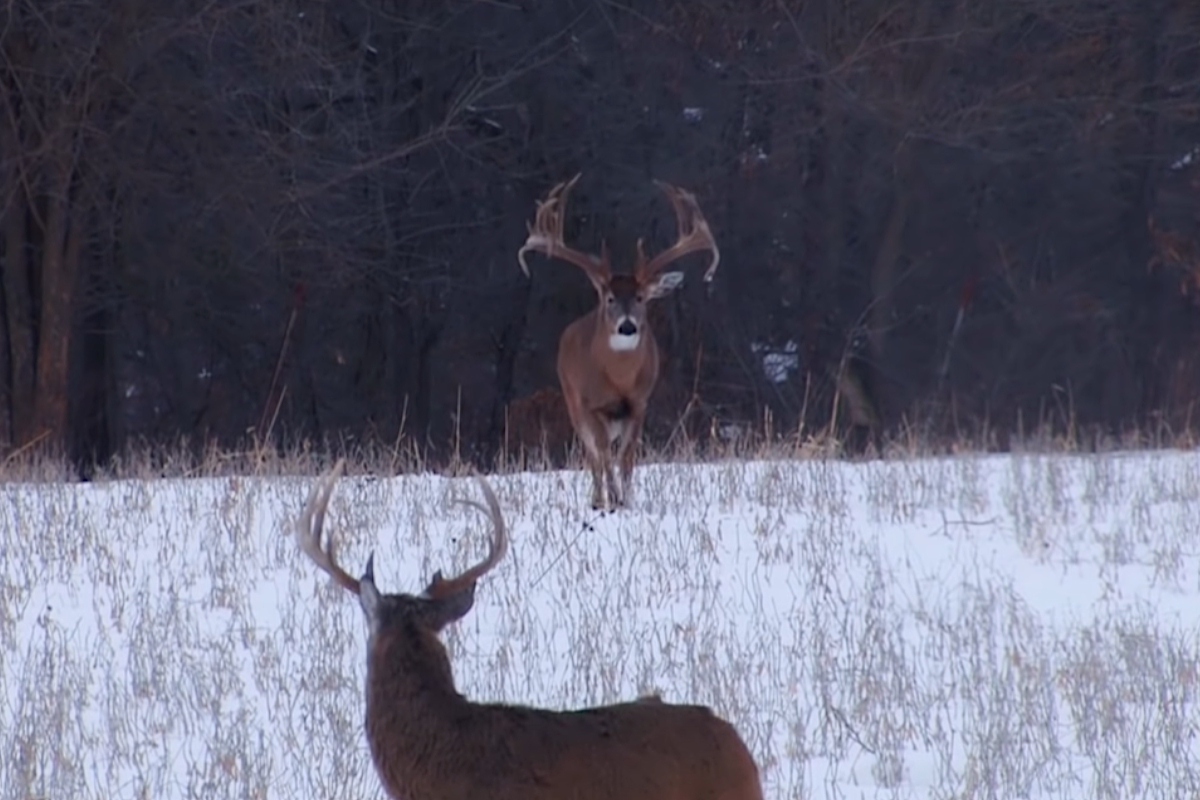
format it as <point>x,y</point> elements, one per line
<point>627,328</point>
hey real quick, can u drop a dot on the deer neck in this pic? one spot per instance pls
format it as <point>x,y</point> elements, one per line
<point>621,360</point>
<point>418,725</point>
<point>411,688</point>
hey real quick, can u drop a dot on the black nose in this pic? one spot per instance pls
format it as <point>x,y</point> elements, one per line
<point>627,328</point>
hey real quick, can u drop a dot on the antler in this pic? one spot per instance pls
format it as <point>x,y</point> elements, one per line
<point>546,234</point>
<point>312,520</point>
<point>694,234</point>
<point>443,587</point>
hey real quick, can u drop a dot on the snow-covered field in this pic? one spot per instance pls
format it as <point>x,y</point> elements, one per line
<point>974,627</point>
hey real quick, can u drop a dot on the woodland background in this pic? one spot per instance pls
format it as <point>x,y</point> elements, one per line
<point>292,221</point>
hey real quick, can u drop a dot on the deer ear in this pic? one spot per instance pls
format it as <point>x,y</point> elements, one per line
<point>369,597</point>
<point>439,610</point>
<point>372,603</point>
<point>664,284</point>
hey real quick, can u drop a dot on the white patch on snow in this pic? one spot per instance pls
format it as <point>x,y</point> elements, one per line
<point>778,363</point>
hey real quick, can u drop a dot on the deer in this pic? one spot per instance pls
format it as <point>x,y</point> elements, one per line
<point>428,742</point>
<point>608,359</point>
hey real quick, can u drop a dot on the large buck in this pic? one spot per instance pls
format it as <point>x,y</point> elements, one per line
<point>429,742</point>
<point>608,359</point>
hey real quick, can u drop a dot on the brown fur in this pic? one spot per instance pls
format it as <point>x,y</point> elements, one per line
<point>428,742</point>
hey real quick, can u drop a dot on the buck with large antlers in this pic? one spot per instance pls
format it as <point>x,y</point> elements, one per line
<point>608,359</point>
<point>429,742</point>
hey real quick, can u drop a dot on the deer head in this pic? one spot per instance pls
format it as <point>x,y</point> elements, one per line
<point>623,297</point>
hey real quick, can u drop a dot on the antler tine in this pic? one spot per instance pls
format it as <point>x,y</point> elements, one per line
<point>693,233</point>
<point>497,547</point>
<point>311,522</point>
<point>546,232</point>
<point>546,229</point>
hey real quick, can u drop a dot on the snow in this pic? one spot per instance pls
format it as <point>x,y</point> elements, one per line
<point>778,363</point>
<point>1000,626</point>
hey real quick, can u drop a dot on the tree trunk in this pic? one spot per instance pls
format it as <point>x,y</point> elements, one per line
<point>508,347</point>
<point>883,270</point>
<point>18,314</point>
<point>1152,326</point>
<point>61,249</point>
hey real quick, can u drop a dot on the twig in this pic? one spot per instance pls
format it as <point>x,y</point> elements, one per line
<point>26,447</point>
<point>283,348</point>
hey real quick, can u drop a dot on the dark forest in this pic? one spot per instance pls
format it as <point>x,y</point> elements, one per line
<point>284,221</point>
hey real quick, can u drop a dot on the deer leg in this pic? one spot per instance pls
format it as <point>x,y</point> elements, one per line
<point>616,497</point>
<point>594,435</point>
<point>612,491</point>
<point>627,446</point>
<point>593,439</point>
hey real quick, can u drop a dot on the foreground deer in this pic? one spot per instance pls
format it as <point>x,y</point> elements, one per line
<point>608,358</point>
<point>429,742</point>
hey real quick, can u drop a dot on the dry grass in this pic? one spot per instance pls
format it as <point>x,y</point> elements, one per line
<point>184,459</point>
